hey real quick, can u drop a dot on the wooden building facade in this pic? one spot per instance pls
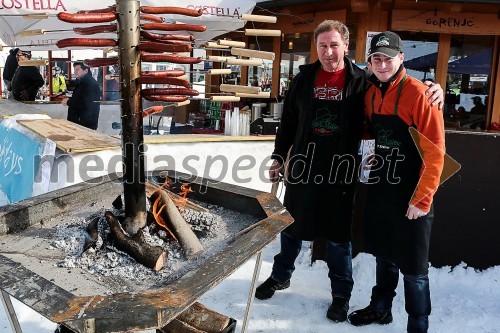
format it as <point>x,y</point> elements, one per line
<point>457,43</point>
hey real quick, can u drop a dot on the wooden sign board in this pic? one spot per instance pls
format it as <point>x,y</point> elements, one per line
<point>306,22</point>
<point>443,22</point>
<point>71,137</point>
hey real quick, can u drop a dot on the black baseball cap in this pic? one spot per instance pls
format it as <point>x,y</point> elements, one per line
<point>387,43</point>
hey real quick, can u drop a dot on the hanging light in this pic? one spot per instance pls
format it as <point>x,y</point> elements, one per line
<point>296,35</point>
<point>290,45</point>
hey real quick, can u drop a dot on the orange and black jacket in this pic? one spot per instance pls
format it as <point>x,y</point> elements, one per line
<point>414,110</point>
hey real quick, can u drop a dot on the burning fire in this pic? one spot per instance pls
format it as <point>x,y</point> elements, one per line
<point>179,202</point>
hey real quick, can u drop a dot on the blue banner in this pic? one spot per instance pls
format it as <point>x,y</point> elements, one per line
<point>18,165</point>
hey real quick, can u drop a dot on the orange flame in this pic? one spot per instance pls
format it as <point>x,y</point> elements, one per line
<point>159,219</point>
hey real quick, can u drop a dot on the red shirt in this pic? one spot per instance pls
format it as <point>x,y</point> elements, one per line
<point>329,85</point>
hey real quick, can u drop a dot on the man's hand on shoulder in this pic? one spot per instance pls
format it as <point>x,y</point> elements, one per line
<point>435,93</point>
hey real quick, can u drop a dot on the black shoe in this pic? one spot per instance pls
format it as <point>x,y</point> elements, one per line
<point>337,311</point>
<point>369,316</point>
<point>266,290</point>
<point>62,329</point>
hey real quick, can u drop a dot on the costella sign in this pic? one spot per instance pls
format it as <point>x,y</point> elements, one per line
<point>443,22</point>
<point>218,15</point>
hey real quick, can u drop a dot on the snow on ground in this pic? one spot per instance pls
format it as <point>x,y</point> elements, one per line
<point>464,300</point>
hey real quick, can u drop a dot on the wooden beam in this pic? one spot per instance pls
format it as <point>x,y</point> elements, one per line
<point>276,67</point>
<point>314,51</point>
<point>361,39</point>
<point>445,22</point>
<point>244,69</point>
<point>359,6</point>
<point>494,99</point>
<point>442,59</point>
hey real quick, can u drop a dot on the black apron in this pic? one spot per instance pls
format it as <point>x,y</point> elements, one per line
<point>321,209</point>
<point>389,234</point>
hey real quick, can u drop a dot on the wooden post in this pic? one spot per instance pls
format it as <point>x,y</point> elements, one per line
<point>275,88</point>
<point>132,137</point>
<point>494,93</point>
<point>442,59</point>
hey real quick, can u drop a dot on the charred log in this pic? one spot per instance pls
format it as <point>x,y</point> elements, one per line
<point>93,233</point>
<point>180,228</point>
<point>153,257</point>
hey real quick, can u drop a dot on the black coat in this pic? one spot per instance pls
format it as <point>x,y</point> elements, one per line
<point>294,132</point>
<point>26,78</point>
<point>10,65</point>
<point>83,105</point>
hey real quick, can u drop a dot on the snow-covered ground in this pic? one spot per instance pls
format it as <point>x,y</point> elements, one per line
<point>464,300</point>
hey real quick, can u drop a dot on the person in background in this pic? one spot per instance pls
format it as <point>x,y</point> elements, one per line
<point>479,107</point>
<point>398,212</point>
<point>58,81</point>
<point>322,118</point>
<point>84,105</point>
<point>26,80</point>
<point>9,69</point>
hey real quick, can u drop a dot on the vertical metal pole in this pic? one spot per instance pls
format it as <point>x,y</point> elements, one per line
<point>253,286</point>
<point>132,135</point>
<point>11,313</point>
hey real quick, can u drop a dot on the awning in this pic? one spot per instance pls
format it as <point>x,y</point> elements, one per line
<point>220,16</point>
<point>479,63</point>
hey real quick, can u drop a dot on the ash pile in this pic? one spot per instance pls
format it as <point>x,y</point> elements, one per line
<point>90,243</point>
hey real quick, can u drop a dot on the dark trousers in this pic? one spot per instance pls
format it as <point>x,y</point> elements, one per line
<point>417,295</point>
<point>339,260</point>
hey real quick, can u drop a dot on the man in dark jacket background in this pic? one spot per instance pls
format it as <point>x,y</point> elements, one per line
<point>9,69</point>
<point>83,105</point>
<point>26,80</point>
<point>322,120</point>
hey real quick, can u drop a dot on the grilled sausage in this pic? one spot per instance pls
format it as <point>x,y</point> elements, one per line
<point>165,80</point>
<point>87,18</point>
<point>152,18</point>
<point>166,98</point>
<point>169,58</point>
<point>91,42</point>
<point>172,10</point>
<point>167,73</point>
<point>174,27</point>
<point>98,29</point>
<point>99,62</point>
<point>157,37</point>
<point>162,47</point>
<point>169,91</point>
<point>152,110</point>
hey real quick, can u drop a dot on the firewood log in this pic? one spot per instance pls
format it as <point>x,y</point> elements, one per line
<point>152,187</point>
<point>153,257</point>
<point>177,326</point>
<point>181,229</point>
<point>204,319</point>
<point>93,232</point>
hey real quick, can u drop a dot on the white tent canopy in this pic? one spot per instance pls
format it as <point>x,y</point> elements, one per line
<point>219,16</point>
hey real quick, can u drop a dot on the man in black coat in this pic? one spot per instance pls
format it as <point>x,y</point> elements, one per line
<point>26,80</point>
<point>10,68</point>
<point>83,105</point>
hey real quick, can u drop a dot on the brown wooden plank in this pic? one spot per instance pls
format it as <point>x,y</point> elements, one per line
<point>71,137</point>
<point>446,22</point>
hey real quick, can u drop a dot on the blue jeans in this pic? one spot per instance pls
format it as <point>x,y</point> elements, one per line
<point>339,260</point>
<point>417,295</point>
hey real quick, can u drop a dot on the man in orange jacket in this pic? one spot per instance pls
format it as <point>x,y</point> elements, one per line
<point>398,213</point>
